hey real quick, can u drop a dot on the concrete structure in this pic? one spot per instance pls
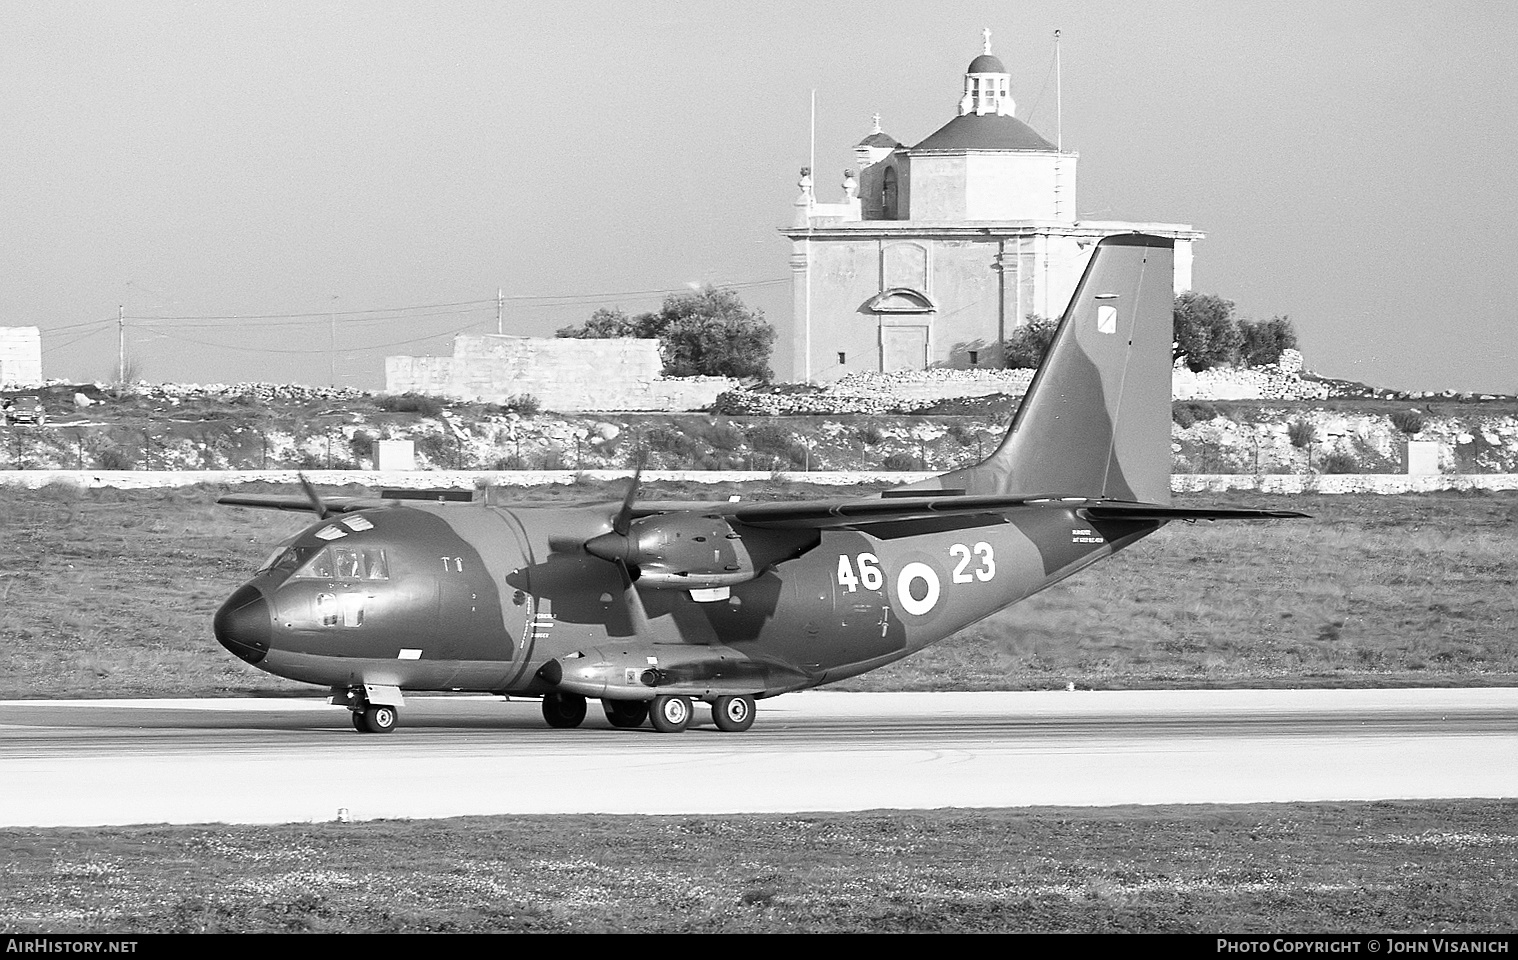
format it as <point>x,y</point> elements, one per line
<point>938,251</point>
<point>562,373</point>
<point>394,455</point>
<point>20,356</point>
<point>1421,458</point>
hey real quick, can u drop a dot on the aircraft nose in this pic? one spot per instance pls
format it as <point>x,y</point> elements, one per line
<point>242,624</point>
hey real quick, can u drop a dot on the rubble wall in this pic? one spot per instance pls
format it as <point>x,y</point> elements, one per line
<point>564,374</point>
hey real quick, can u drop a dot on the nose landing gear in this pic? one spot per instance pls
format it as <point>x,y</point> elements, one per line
<point>375,719</point>
<point>375,708</point>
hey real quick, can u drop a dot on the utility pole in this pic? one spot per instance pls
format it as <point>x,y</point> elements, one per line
<point>500,309</point>
<point>120,343</point>
<point>332,344</point>
<point>1059,103</point>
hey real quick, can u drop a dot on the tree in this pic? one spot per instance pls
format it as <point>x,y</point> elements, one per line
<point>707,332</point>
<point>711,333</point>
<point>607,323</point>
<point>1262,341</point>
<point>1205,332</point>
<point>1026,347</point>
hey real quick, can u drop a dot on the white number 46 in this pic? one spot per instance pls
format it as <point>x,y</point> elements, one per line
<point>869,577</point>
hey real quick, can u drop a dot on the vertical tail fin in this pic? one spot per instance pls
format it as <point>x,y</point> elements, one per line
<point>1096,420</point>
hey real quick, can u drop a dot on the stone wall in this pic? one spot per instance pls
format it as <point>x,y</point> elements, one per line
<point>20,356</point>
<point>461,479</point>
<point>563,374</point>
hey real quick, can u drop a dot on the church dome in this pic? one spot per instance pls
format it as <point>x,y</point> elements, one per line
<point>985,63</point>
<point>878,139</point>
<point>985,132</point>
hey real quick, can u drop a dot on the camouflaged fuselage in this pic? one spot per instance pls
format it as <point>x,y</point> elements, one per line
<point>477,597</point>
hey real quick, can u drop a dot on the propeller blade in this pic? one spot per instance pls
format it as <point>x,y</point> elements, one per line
<point>634,601</point>
<point>623,521</point>
<point>322,512</point>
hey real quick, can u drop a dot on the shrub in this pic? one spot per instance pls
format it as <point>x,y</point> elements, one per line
<point>1340,461</point>
<point>439,449</point>
<point>900,461</point>
<point>1301,433</point>
<point>719,435</point>
<point>870,435</point>
<point>111,458</point>
<point>1026,347</point>
<point>1408,421</point>
<point>770,438</point>
<point>1205,332</point>
<point>1261,342</point>
<point>1187,412</point>
<point>677,444</point>
<point>410,403</point>
<point>524,404</point>
<point>362,444</point>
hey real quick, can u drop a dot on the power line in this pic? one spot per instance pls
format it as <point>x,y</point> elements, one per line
<point>242,348</point>
<point>545,299</point>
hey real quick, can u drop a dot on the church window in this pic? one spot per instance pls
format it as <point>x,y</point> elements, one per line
<point>842,357</point>
<point>974,357</point>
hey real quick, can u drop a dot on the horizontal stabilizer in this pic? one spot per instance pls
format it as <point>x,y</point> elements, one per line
<point>1156,511</point>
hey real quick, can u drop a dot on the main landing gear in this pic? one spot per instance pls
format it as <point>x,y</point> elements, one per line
<point>666,714</point>
<point>563,710</point>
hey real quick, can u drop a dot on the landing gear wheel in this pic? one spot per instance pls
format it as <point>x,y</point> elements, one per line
<point>733,714</point>
<point>563,711</point>
<point>376,719</point>
<point>670,714</point>
<point>626,714</point>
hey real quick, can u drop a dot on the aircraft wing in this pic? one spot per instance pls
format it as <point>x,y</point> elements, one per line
<point>296,504</point>
<point>825,514</point>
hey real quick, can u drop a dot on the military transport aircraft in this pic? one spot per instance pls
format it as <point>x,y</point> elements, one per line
<point>650,606</point>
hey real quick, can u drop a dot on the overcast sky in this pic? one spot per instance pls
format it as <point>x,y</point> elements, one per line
<point>1352,164</point>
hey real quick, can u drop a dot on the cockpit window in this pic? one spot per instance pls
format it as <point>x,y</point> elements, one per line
<point>345,563</point>
<point>286,557</point>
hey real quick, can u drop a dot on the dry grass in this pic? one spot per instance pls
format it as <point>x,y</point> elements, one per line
<point>1444,866</point>
<point>108,593</point>
<point>1403,590</point>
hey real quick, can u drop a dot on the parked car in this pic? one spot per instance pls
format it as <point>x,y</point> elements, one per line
<point>25,410</point>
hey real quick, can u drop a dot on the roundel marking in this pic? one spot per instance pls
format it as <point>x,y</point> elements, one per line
<point>904,580</point>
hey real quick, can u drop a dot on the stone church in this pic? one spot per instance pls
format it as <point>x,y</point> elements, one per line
<point>938,251</point>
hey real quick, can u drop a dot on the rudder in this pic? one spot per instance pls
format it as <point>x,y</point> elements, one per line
<point>1096,419</point>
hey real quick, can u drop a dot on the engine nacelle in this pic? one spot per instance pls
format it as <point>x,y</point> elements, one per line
<point>681,551</point>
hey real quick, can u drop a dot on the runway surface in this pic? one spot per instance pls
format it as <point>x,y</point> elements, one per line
<point>270,761</point>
